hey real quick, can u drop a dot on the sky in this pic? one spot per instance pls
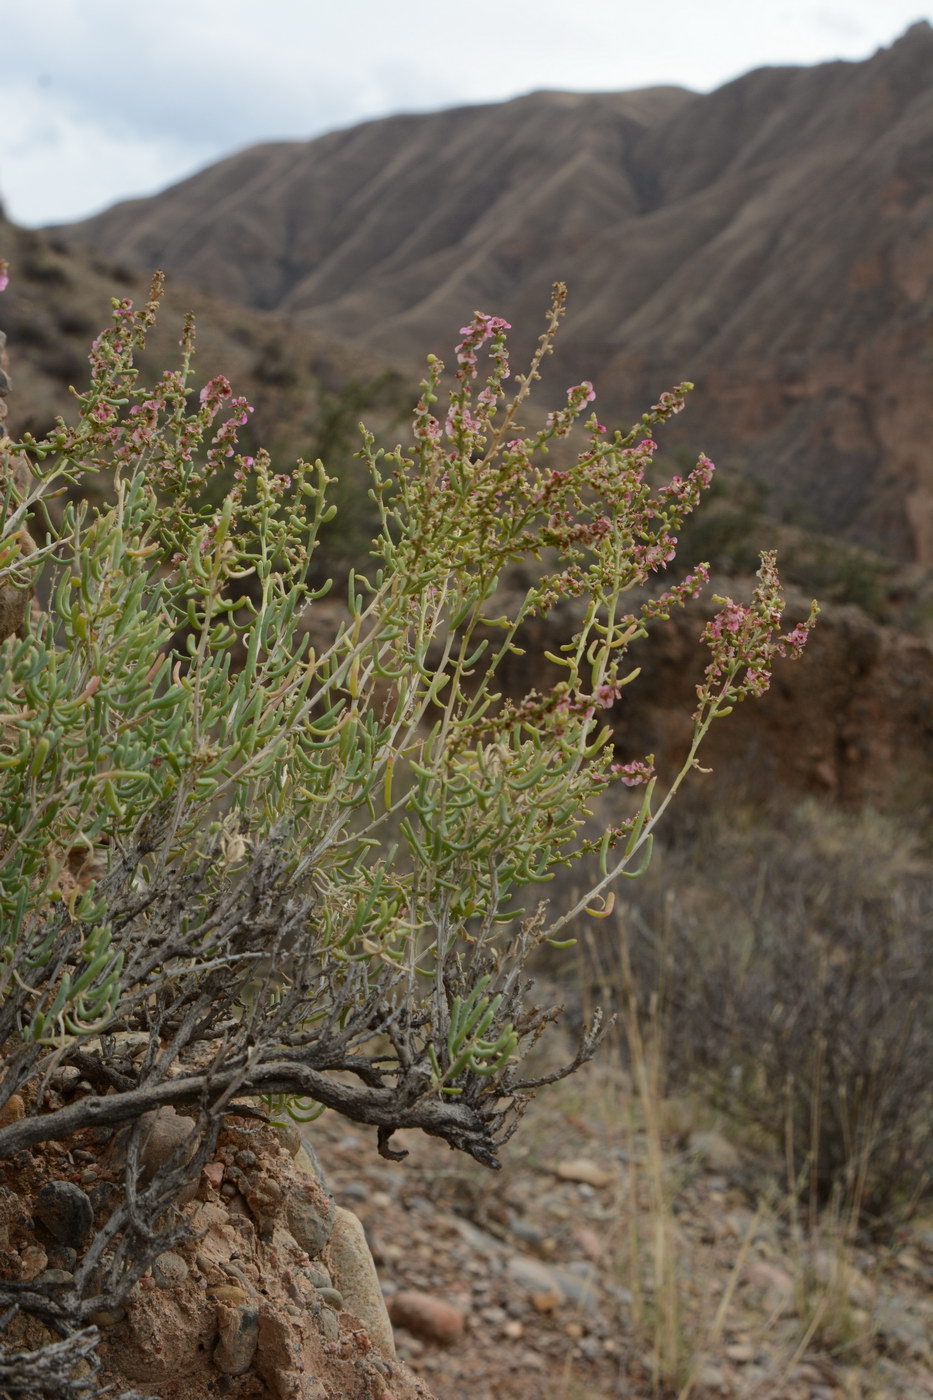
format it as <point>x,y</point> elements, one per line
<point>103,100</point>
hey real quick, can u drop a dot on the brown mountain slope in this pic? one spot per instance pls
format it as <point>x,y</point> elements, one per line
<point>772,241</point>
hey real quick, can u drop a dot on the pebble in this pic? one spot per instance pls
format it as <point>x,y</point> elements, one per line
<point>56,1276</point>
<point>214,1171</point>
<point>169,1269</point>
<point>227,1293</point>
<point>107,1317</point>
<point>163,1132</point>
<point>66,1212</point>
<point>427,1317</point>
<point>332,1297</point>
<point>33,1262</point>
<point>62,1256</point>
<point>329,1324</point>
<point>310,1213</point>
<point>740,1352</point>
<point>318,1276</point>
<point>12,1111</point>
<point>714,1151</point>
<point>238,1339</point>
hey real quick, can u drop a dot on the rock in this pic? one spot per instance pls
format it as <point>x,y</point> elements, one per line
<point>354,1275</point>
<point>329,1324</point>
<point>107,1317</point>
<point>332,1298</point>
<point>56,1276</point>
<point>712,1377</point>
<point>227,1293</point>
<point>170,1270</point>
<point>310,1212</point>
<point>12,1111</point>
<point>66,1212</point>
<point>33,1262</point>
<point>531,1274</point>
<point>163,1132</point>
<point>62,1256</point>
<point>715,1152</point>
<point>740,1352</point>
<point>214,1171</point>
<point>777,1284</point>
<point>582,1169</point>
<point>319,1276</point>
<point>427,1317</point>
<point>537,1278</point>
<point>238,1338</point>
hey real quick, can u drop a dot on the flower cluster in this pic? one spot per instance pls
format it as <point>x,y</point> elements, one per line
<point>744,640</point>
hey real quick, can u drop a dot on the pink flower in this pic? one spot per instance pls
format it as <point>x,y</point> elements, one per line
<point>4,275</point>
<point>635,773</point>
<point>584,392</point>
<point>606,694</point>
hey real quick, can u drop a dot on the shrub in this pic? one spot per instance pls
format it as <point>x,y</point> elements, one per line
<point>309,875</point>
<point>795,972</point>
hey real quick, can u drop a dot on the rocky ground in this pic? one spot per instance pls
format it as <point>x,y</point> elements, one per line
<point>539,1281</point>
<point>616,1254</point>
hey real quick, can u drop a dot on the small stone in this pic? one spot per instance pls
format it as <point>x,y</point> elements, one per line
<point>62,1256</point>
<point>332,1298</point>
<point>246,1159</point>
<point>33,1262</point>
<point>239,1336</point>
<point>714,1152</point>
<point>56,1276</point>
<point>582,1169</point>
<point>107,1317</point>
<point>318,1276</point>
<point>545,1302</point>
<point>777,1284</point>
<point>427,1317</point>
<point>741,1353</point>
<point>310,1213</point>
<point>88,1175</point>
<point>163,1132</point>
<point>329,1324</point>
<point>214,1171</point>
<point>170,1269</point>
<point>12,1111</point>
<point>589,1242</point>
<point>513,1329</point>
<point>227,1293</point>
<point>712,1377</point>
<point>66,1212</point>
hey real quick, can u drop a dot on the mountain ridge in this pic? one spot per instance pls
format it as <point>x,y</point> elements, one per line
<point>772,241</point>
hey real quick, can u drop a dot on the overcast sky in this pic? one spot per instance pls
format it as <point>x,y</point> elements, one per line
<point>105,99</point>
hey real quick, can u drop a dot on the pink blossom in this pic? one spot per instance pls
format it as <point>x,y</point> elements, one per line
<point>4,275</point>
<point>635,773</point>
<point>606,694</point>
<point>215,390</point>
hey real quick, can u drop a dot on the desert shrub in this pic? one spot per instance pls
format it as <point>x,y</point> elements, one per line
<point>311,876</point>
<point>793,959</point>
